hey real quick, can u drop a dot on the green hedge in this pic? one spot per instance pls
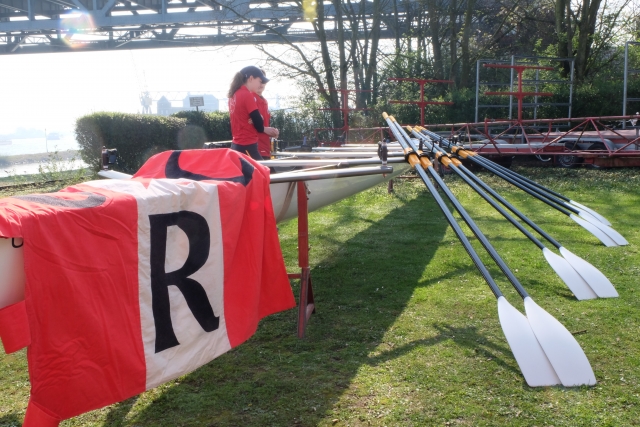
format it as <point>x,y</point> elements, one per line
<point>293,125</point>
<point>215,126</point>
<point>137,137</point>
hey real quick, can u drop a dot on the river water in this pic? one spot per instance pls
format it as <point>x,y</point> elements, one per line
<point>38,146</point>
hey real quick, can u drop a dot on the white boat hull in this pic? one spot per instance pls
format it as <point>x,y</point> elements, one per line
<point>324,192</point>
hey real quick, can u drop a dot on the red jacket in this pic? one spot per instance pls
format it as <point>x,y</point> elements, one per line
<point>241,104</point>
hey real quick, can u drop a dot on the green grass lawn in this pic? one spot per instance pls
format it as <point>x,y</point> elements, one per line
<point>406,331</point>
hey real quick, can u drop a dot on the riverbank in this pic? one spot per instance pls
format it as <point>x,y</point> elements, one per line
<point>22,166</point>
<point>19,159</point>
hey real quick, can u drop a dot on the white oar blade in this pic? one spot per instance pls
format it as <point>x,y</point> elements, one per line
<point>591,211</point>
<point>601,235</point>
<point>533,362</point>
<point>569,276</point>
<point>594,277</point>
<point>562,349</point>
<point>615,236</point>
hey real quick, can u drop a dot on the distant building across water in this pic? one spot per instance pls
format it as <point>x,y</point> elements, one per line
<point>165,108</point>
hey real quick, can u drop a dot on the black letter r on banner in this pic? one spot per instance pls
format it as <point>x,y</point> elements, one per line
<point>197,231</point>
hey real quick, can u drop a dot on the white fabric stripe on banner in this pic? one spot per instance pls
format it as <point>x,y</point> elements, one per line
<point>182,214</point>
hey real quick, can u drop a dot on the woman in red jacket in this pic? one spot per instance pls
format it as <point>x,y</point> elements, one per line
<point>246,120</point>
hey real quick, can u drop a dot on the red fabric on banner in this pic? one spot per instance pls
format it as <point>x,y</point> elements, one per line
<point>247,259</point>
<point>82,301</point>
<point>82,295</point>
<point>14,327</point>
<point>36,416</point>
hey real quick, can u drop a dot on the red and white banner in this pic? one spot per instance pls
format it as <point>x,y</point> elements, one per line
<point>133,283</point>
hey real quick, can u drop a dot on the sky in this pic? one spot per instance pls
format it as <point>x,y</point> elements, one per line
<point>49,91</point>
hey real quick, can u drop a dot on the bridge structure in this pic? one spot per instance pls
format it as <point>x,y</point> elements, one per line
<point>48,26</point>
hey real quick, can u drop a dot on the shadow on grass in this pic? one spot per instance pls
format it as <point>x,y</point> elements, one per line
<point>464,337</point>
<point>10,420</point>
<point>276,379</point>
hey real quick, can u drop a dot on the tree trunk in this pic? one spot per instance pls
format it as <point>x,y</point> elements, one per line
<point>344,65</point>
<point>453,41</point>
<point>396,29</point>
<point>465,74</point>
<point>586,30</point>
<point>563,30</point>
<point>330,94</point>
<point>434,25</point>
<point>371,68</point>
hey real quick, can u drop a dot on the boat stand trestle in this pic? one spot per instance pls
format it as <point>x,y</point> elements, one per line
<point>306,306</point>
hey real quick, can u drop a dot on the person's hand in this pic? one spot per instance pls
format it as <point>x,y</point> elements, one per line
<point>272,132</point>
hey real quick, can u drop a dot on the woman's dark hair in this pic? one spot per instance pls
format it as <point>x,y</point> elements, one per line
<point>238,80</point>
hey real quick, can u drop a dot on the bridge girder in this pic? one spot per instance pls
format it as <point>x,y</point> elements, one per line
<point>47,26</point>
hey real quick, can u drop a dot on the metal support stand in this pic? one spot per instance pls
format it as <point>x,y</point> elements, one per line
<point>422,103</point>
<point>517,60</point>
<point>306,306</point>
<point>345,109</point>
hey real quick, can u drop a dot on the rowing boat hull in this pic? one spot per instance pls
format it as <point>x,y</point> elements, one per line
<point>324,192</point>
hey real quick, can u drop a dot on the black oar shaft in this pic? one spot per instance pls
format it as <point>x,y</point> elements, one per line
<point>450,219</point>
<point>495,168</point>
<point>465,216</point>
<point>513,209</point>
<point>509,206</point>
<point>497,207</point>
<point>479,235</point>
<point>514,178</point>
<point>531,182</point>
<point>523,188</point>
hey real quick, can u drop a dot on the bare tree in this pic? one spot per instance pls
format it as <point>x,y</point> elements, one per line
<point>584,27</point>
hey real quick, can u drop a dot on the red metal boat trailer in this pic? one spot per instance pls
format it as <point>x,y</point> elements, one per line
<point>592,141</point>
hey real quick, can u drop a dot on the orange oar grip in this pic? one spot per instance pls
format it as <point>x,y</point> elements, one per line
<point>413,159</point>
<point>456,162</point>
<point>445,160</point>
<point>425,162</point>
<point>462,153</point>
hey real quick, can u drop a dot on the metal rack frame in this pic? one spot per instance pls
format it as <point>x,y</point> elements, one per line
<point>524,60</point>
